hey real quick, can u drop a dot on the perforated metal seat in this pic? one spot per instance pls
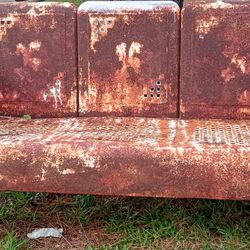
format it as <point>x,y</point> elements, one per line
<point>127,156</point>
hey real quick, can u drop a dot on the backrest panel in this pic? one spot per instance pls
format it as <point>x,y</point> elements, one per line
<point>215,59</point>
<point>38,73</point>
<point>131,64</point>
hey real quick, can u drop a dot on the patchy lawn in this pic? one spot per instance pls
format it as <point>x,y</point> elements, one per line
<point>92,222</point>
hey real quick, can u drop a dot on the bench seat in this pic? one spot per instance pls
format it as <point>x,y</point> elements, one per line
<point>127,156</point>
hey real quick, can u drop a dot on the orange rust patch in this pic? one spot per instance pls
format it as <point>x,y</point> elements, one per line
<point>32,63</point>
<point>126,73</point>
<point>214,63</point>
<point>127,156</point>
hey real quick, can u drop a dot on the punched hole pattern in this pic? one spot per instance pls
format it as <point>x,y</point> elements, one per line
<point>223,134</point>
<point>155,91</point>
<point>4,24</point>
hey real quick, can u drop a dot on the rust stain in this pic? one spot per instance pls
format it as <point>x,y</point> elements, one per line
<point>133,72</point>
<point>215,60</point>
<point>127,156</point>
<point>38,77</point>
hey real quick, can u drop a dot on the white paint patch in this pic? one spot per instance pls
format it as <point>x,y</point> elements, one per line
<point>180,150</point>
<point>245,97</point>
<point>35,45</point>
<point>130,60</point>
<point>99,28</point>
<point>26,53</point>
<point>43,175</point>
<point>33,12</point>
<point>89,161</point>
<point>182,124</point>
<point>35,63</point>
<point>218,4</point>
<point>227,75</point>
<point>45,96</point>
<point>121,51</point>
<point>55,92</point>
<point>126,6</point>
<point>135,48</point>
<point>68,171</point>
<point>240,62</point>
<point>9,22</point>
<point>67,5</point>
<point>172,124</point>
<point>203,27</point>
<point>197,145</point>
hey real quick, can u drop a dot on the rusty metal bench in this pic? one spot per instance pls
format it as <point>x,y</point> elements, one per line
<point>116,127</point>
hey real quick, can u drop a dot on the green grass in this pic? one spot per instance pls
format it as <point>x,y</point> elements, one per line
<point>10,242</point>
<point>76,2</point>
<point>126,223</point>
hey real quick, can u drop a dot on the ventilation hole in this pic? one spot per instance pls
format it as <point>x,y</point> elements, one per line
<point>197,134</point>
<point>226,134</point>
<point>241,142</point>
<point>2,22</point>
<point>158,82</point>
<point>152,89</point>
<point>158,89</point>
<point>158,95</point>
<point>8,22</point>
<point>145,95</point>
<point>151,95</point>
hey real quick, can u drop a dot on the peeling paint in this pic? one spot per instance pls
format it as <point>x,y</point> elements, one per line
<point>218,4</point>
<point>240,62</point>
<point>204,26</point>
<point>126,6</point>
<point>227,75</point>
<point>6,23</point>
<point>215,60</point>
<point>126,73</point>
<point>68,171</point>
<point>35,45</point>
<point>99,28</point>
<point>31,61</point>
<point>55,93</point>
<point>125,156</point>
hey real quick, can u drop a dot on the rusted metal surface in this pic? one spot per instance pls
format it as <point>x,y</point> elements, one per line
<point>38,73</point>
<point>215,59</point>
<point>177,1</point>
<point>127,156</point>
<point>131,64</point>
